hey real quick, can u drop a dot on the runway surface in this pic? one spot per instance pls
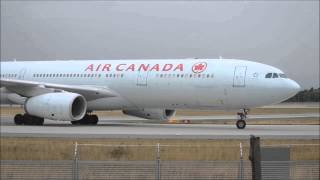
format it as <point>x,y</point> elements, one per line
<point>8,120</point>
<point>143,129</point>
<point>263,116</point>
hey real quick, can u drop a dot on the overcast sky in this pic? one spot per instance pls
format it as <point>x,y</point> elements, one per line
<point>283,34</point>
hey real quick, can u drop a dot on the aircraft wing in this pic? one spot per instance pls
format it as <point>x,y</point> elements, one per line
<point>31,88</point>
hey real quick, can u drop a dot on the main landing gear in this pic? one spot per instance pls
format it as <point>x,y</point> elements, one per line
<point>27,119</point>
<point>242,116</point>
<point>88,119</point>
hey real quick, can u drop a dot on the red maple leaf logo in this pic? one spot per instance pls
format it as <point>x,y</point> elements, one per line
<point>199,67</point>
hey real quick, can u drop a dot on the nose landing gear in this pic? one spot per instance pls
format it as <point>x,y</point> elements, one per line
<point>242,116</point>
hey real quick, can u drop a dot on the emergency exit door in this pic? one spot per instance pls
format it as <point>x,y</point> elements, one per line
<point>22,73</point>
<point>142,79</point>
<point>239,78</point>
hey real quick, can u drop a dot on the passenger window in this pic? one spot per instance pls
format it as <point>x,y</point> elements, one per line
<point>275,75</point>
<point>269,75</point>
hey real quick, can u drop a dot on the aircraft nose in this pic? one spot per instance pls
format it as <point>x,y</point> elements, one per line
<point>294,87</point>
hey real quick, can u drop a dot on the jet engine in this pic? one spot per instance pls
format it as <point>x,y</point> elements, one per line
<point>57,106</point>
<point>159,114</point>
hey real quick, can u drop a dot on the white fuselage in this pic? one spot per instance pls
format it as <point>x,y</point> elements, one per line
<point>173,83</point>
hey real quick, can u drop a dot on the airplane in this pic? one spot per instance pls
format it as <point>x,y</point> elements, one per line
<point>70,90</point>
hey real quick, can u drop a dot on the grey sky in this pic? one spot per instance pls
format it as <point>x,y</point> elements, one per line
<point>283,34</point>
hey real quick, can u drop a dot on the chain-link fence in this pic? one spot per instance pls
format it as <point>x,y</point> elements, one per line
<point>155,162</point>
<point>16,169</point>
<point>152,170</point>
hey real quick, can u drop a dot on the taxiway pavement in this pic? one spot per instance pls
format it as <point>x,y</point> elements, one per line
<point>163,131</point>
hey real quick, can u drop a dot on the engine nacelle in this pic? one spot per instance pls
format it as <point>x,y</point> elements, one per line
<point>57,106</point>
<point>158,114</point>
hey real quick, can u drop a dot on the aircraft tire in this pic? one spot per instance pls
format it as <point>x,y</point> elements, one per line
<point>32,120</point>
<point>18,119</point>
<point>87,120</point>
<point>39,121</point>
<point>75,122</point>
<point>27,120</point>
<point>241,124</point>
<point>94,119</point>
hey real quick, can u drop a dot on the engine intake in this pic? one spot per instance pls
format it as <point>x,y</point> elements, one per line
<point>57,106</point>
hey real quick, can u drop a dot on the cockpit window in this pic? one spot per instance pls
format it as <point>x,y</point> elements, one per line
<point>275,75</point>
<point>269,75</point>
<point>282,75</point>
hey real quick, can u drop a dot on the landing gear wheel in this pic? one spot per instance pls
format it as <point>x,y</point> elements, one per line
<point>38,121</point>
<point>75,122</point>
<point>241,124</point>
<point>18,119</point>
<point>27,120</point>
<point>32,120</point>
<point>87,120</point>
<point>94,119</point>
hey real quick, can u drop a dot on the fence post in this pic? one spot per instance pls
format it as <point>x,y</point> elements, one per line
<point>255,157</point>
<point>158,175</point>
<point>75,170</point>
<point>241,163</point>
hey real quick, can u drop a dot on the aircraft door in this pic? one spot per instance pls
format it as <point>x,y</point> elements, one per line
<point>239,78</point>
<point>142,79</point>
<point>22,73</point>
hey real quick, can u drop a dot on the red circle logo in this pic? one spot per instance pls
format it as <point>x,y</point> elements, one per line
<point>199,67</point>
